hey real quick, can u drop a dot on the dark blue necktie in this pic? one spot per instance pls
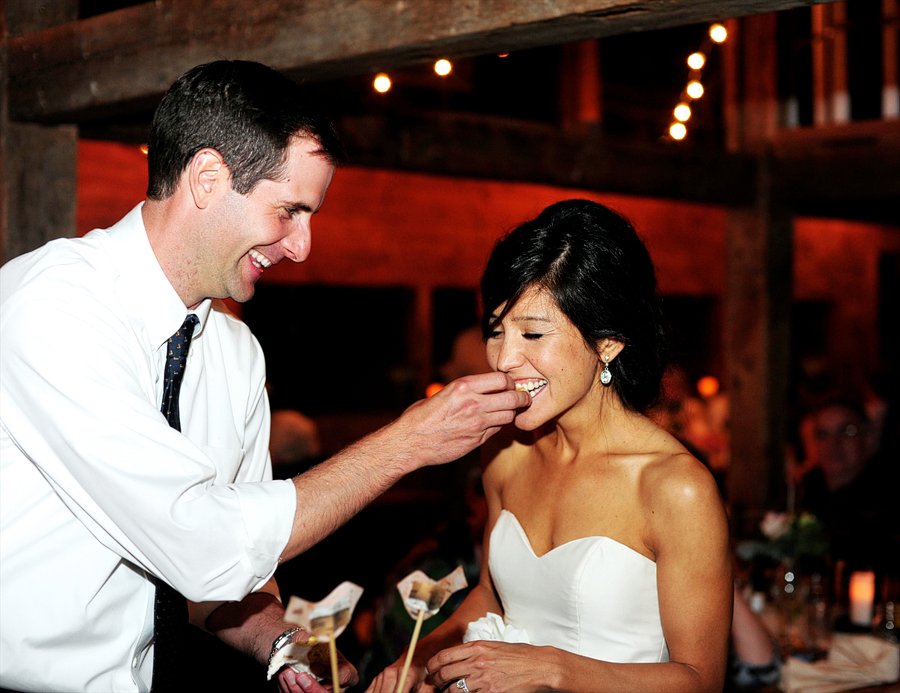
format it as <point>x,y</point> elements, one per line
<point>170,657</point>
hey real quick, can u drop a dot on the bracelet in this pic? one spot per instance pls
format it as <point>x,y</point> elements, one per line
<point>281,641</point>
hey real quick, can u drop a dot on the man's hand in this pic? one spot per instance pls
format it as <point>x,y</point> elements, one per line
<point>461,416</point>
<point>290,681</point>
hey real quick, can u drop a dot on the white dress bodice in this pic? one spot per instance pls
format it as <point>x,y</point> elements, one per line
<point>591,596</point>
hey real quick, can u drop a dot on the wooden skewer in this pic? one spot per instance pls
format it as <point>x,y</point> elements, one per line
<point>332,650</point>
<point>412,648</point>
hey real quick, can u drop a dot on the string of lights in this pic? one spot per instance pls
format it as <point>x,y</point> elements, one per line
<point>682,111</point>
<point>694,89</point>
<point>382,82</point>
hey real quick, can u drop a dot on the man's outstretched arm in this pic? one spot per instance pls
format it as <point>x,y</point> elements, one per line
<point>433,431</point>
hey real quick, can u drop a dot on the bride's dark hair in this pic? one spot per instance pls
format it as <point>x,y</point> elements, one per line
<point>598,270</point>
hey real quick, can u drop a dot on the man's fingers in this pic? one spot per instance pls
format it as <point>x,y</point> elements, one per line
<point>485,382</point>
<point>508,400</point>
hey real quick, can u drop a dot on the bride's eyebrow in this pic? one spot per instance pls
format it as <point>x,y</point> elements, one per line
<point>527,318</point>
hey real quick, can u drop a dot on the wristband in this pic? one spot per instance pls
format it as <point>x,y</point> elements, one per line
<point>281,641</point>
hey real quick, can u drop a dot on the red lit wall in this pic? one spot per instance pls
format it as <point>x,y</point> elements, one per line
<point>389,228</point>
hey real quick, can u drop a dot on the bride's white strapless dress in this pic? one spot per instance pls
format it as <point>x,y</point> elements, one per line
<point>591,596</point>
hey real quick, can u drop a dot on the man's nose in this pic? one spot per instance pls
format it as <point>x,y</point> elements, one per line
<point>298,242</point>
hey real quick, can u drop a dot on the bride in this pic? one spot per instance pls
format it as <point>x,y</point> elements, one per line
<point>606,540</point>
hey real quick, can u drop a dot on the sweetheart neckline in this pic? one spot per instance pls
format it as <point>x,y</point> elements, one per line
<point>599,537</point>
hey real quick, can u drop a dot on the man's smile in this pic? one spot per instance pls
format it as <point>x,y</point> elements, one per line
<point>259,260</point>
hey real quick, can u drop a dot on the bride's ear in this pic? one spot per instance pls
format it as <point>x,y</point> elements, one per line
<point>608,349</point>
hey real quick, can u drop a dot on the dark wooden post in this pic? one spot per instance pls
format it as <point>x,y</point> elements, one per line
<point>759,258</point>
<point>4,118</point>
<point>38,173</point>
<point>890,80</point>
<point>758,290</point>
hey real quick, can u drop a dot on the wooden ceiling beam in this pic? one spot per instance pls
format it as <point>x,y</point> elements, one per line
<point>852,171</point>
<point>124,60</point>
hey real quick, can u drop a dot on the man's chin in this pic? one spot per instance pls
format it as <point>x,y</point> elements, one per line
<point>244,294</point>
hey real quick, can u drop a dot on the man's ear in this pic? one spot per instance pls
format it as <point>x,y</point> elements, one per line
<point>208,175</point>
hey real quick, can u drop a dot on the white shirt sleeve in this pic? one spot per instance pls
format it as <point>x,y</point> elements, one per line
<point>79,400</point>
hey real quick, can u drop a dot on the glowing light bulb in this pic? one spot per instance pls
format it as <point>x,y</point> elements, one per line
<point>696,60</point>
<point>144,149</point>
<point>443,67</point>
<point>682,112</point>
<point>677,131</point>
<point>382,83</point>
<point>695,89</point>
<point>433,389</point>
<point>502,55</point>
<point>718,33</point>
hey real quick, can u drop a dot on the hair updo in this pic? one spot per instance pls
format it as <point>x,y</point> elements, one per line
<point>597,269</point>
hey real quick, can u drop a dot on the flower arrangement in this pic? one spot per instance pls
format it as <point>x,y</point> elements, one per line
<point>787,538</point>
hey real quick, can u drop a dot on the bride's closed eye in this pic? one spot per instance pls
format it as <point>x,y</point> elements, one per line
<point>533,335</point>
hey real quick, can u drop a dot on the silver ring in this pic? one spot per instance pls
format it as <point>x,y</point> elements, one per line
<point>461,685</point>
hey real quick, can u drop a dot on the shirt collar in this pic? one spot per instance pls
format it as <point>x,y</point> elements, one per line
<point>151,299</point>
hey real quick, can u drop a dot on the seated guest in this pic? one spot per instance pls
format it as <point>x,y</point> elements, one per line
<point>853,493</point>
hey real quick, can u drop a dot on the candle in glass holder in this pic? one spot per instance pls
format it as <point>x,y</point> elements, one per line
<point>862,597</point>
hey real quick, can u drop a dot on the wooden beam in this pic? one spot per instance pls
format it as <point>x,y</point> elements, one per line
<point>4,130</point>
<point>758,296</point>
<point>497,148</point>
<point>759,107</point>
<point>817,170</point>
<point>119,60</point>
<point>40,170</point>
<point>37,163</point>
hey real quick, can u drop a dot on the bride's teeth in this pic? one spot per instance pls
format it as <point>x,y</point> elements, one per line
<point>531,388</point>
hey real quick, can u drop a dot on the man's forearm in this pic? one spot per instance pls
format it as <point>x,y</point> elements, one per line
<point>331,493</point>
<point>250,625</point>
<point>437,430</point>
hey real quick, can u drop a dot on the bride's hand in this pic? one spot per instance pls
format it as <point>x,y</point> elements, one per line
<point>497,667</point>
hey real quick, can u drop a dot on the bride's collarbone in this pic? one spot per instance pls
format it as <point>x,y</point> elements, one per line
<point>552,518</point>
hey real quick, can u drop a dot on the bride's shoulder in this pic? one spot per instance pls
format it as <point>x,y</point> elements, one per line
<point>673,478</point>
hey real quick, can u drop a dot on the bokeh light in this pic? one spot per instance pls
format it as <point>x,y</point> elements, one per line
<point>382,83</point>
<point>443,67</point>
<point>433,389</point>
<point>677,131</point>
<point>718,33</point>
<point>708,386</point>
<point>696,61</point>
<point>695,89</point>
<point>682,112</point>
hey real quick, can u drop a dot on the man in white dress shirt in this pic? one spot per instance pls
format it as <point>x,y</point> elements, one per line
<point>100,498</point>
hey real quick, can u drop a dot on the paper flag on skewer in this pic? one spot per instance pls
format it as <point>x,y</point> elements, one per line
<point>423,598</point>
<point>328,618</point>
<point>421,593</point>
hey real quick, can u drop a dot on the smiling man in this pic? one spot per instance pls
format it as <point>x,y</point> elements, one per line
<point>117,488</point>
